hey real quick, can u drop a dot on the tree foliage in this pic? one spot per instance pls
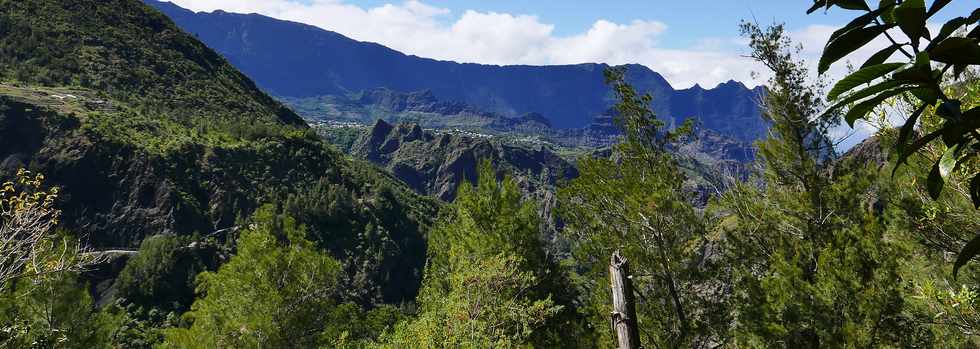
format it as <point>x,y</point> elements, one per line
<point>29,244</point>
<point>488,281</point>
<point>634,202</point>
<point>162,274</point>
<point>490,218</point>
<point>931,61</point>
<point>276,292</point>
<point>134,54</point>
<point>53,312</point>
<point>817,261</point>
<point>482,302</point>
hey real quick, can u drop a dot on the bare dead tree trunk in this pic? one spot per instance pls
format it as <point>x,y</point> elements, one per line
<point>624,308</point>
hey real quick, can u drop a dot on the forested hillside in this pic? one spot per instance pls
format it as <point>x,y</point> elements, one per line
<point>149,133</point>
<point>151,196</point>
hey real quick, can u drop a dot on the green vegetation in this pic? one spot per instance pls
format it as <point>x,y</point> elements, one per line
<point>634,203</point>
<point>151,84</point>
<point>148,132</point>
<point>276,292</point>
<point>931,61</point>
<point>488,280</point>
<point>53,312</point>
<point>132,53</point>
<point>344,137</point>
<point>43,302</point>
<point>162,274</point>
<point>828,270</point>
<point>483,303</point>
<point>253,232</point>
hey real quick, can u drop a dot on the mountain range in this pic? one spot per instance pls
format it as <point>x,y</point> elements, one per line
<point>297,62</point>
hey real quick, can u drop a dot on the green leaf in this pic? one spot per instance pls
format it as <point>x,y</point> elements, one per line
<point>954,24</point>
<point>907,129</point>
<point>881,56</point>
<point>862,109</point>
<point>922,60</point>
<point>845,4</point>
<point>975,190</point>
<point>957,50</point>
<point>883,88</point>
<point>853,5</point>
<point>969,251</point>
<point>953,133</point>
<point>887,15</point>
<point>927,95</point>
<point>847,43</point>
<point>920,73</point>
<point>859,22</point>
<point>957,125</point>
<point>904,153</point>
<point>817,5</point>
<point>862,76</point>
<point>947,163</point>
<point>936,6</point>
<point>935,182</point>
<point>911,17</point>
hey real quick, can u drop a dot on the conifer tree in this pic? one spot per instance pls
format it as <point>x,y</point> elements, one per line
<point>489,283</point>
<point>277,291</point>
<point>817,262</point>
<point>635,203</point>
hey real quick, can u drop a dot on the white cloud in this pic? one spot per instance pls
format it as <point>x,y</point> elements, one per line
<point>813,39</point>
<point>414,27</point>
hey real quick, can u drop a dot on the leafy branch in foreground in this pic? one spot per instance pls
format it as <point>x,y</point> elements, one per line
<point>813,264</point>
<point>928,60</point>
<point>29,246</point>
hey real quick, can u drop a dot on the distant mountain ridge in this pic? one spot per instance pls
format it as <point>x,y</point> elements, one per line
<point>295,60</point>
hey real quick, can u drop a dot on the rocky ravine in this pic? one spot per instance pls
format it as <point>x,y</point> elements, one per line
<point>436,164</point>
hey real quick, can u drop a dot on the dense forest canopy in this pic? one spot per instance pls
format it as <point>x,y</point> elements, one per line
<point>151,196</point>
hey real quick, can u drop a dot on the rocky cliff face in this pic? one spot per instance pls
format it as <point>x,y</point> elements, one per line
<point>297,61</point>
<point>436,164</point>
<point>111,196</point>
<point>114,194</point>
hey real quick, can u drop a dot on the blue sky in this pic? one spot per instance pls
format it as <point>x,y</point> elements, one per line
<point>689,21</point>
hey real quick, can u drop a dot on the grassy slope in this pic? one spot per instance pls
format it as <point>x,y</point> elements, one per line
<point>132,54</point>
<point>164,136</point>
